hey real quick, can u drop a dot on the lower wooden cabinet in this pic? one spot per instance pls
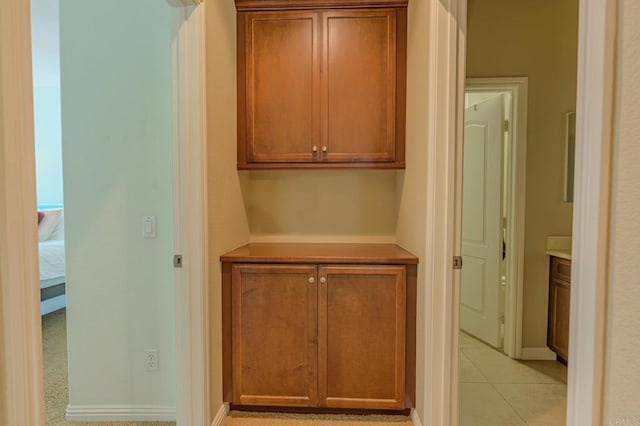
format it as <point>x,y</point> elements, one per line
<point>361,336</point>
<point>559,302</point>
<point>274,335</point>
<point>319,334</point>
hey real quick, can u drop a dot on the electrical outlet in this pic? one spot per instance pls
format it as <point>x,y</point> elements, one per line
<point>151,360</point>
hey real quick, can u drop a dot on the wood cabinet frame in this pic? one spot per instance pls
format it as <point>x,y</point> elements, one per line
<point>339,259</point>
<point>247,23</point>
<point>558,316</point>
<point>304,271</point>
<point>326,400</point>
<point>393,156</point>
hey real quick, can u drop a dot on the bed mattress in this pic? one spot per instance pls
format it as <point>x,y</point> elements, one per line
<point>51,261</point>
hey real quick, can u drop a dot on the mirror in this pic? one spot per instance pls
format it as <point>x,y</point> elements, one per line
<point>570,151</point>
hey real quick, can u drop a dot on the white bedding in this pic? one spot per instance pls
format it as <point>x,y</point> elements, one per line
<point>51,259</point>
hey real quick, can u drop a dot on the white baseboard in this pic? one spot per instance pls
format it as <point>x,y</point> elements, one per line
<point>415,419</point>
<point>222,413</point>
<point>541,354</point>
<point>120,413</point>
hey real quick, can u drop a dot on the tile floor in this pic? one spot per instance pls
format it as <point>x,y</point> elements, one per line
<point>496,390</point>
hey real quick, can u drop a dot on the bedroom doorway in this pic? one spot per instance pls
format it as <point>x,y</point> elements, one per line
<point>21,341</point>
<point>45,40</point>
<point>48,149</point>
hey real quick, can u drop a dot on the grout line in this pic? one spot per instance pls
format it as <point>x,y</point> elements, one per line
<point>508,403</point>
<point>477,368</point>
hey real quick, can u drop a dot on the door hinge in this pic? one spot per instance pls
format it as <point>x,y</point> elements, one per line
<point>177,261</point>
<point>507,125</point>
<point>457,262</point>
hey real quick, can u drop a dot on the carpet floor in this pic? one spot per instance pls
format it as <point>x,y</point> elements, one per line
<point>54,336</point>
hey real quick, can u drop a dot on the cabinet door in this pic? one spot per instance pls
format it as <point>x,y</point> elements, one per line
<point>282,86</point>
<point>362,336</point>
<point>274,326</point>
<point>560,298</point>
<point>359,85</point>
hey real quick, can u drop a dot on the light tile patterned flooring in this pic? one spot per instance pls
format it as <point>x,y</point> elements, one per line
<point>496,390</point>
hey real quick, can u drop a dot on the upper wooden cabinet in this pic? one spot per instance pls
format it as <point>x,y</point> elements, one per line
<point>321,88</point>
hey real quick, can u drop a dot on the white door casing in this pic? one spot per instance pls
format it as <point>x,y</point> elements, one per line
<point>447,53</point>
<point>482,220</point>
<point>190,211</point>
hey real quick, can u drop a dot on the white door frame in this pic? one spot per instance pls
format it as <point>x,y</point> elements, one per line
<point>594,130</point>
<point>20,311</point>
<point>21,388</point>
<point>190,210</point>
<point>596,60</point>
<point>515,190</point>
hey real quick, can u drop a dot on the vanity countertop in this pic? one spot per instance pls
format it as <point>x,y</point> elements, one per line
<point>559,246</point>
<point>564,254</point>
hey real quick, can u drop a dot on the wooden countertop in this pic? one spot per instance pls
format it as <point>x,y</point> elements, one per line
<point>377,254</point>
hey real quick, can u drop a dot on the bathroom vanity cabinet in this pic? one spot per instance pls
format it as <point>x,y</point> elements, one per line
<point>559,301</point>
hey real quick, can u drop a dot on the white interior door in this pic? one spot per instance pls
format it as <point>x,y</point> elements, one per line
<point>481,221</point>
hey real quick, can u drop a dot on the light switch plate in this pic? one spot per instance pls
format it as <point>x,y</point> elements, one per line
<point>149,226</point>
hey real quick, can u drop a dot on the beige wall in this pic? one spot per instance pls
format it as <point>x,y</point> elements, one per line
<point>412,185</point>
<point>321,205</point>
<point>536,39</point>
<point>622,373</point>
<point>3,379</point>
<point>228,227</point>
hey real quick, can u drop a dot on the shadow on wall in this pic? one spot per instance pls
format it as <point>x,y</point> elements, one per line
<point>321,202</point>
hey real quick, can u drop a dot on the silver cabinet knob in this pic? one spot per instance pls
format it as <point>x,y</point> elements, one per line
<point>323,280</point>
<point>312,280</point>
<point>324,149</point>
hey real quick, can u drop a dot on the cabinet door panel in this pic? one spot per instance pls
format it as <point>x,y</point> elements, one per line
<point>362,336</point>
<point>274,335</point>
<point>282,87</point>
<point>359,83</point>
<point>559,317</point>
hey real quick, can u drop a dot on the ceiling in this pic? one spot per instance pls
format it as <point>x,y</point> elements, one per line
<point>45,33</point>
